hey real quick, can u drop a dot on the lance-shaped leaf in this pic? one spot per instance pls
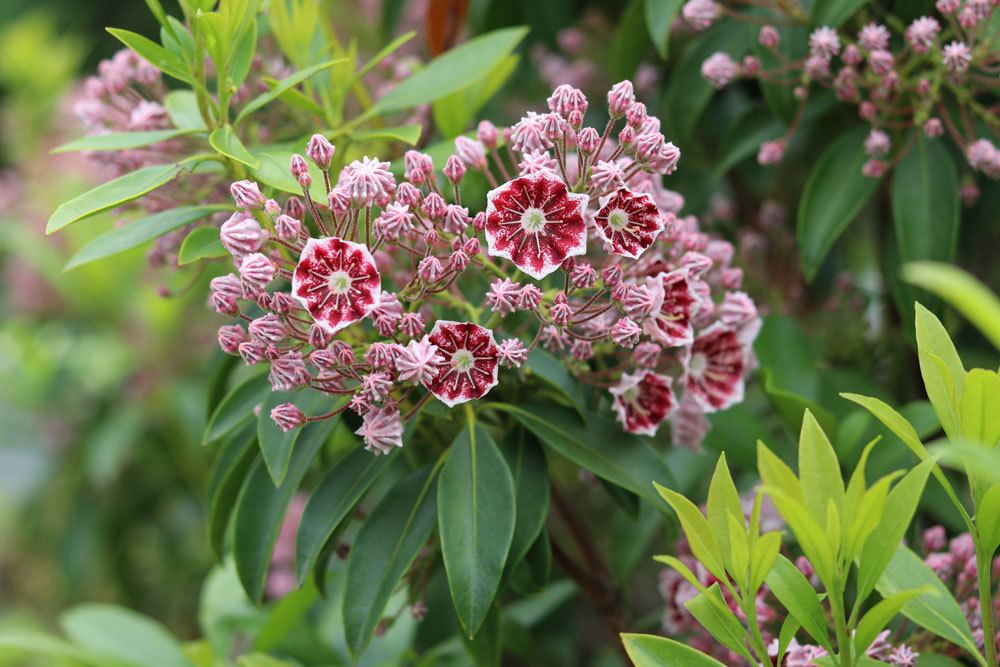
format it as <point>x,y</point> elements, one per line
<point>653,651</point>
<point>119,141</point>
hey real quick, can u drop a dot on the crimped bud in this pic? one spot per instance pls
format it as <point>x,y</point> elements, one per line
<point>268,329</point>
<point>587,140</point>
<point>625,332</point>
<point>319,337</point>
<point>560,311</point>
<point>288,372</point>
<point>434,206</point>
<point>487,133</point>
<point>529,298</point>
<point>454,169</point>
<point>933,128</point>
<point>241,234</point>
<point>620,98</point>
<point>298,166</point>
<point>282,302</point>
<point>287,227</point>
<point>230,337</point>
<point>471,152</point>
<point>320,151</point>
<point>511,353</point>
<point>407,195</point>
<point>253,352</point>
<point>294,208</point>
<point>430,269</point>
<point>256,271</point>
<point>288,417</point>
<point>247,194</point>
<point>272,208</point>
<point>411,324</point>
<point>769,36</point>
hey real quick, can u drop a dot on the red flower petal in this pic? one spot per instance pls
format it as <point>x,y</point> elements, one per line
<point>672,325</point>
<point>470,364</point>
<point>642,401</point>
<point>713,368</point>
<point>536,222</point>
<point>337,282</point>
<point>629,221</point>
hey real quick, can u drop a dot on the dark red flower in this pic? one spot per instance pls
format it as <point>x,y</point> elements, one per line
<point>469,369</point>
<point>642,401</point>
<point>337,282</point>
<point>671,326</point>
<point>713,368</point>
<point>629,221</point>
<point>536,222</point>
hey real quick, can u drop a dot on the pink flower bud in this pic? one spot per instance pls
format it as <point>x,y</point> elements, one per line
<point>640,302</point>
<point>503,296</point>
<point>294,208</point>
<point>720,69</point>
<point>873,168</point>
<point>412,324</point>
<point>287,227</point>
<point>620,98</point>
<point>771,152</point>
<point>635,114</point>
<point>566,99</point>
<point>769,37</point>
<point>272,208</point>
<point>583,276</point>
<point>454,169</point>
<point>320,151</point>
<point>933,128</point>
<point>230,337</point>
<point>588,140</point>
<point>934,539</point>
<point>256,271</point>
<point>511,353</point>
<point>852,55</point>
<point>429,269</point>
<point>487,133</point>
<point>627,135</point>
<point>247,194</point>
<point>867,110</point>
<point>241,234</point>
<point>418,166</point>
<point>611,275</point>
<point>434,206</point>
<point>288,372</point>
<point>282,302</point>
<point>268,329</point>
<point>407,195</point>
<point>479,222</point>
<point>253,352</point>
<point>472,153</point>
<point>560,311</point>
<point>456,219</point>
<point>647,355</point>
<point>298,166</point>
<point>732,277</point>
<point>751,65</point>
<point>625,332</point>
<point>288,417</point>
<point>319,337</point>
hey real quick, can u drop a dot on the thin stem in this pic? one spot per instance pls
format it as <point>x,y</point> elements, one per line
<point>843,636</point>
<point>983,572</point>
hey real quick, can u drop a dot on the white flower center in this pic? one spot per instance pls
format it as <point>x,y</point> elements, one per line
<point>339,282</point>
<point>617,219</point>
<point>533,220</point>
<point>631,395</point>
<point>698,363</point>
<point>463,361</point>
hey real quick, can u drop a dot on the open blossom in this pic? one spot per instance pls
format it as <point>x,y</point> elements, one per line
<point>720,69</point>
<point>957,57</point>
<point>643,400</point>
<point>629,222</point>
<point>672,325</point>
<point>382,430</point>
<point>824,42</point>
<point>922,32</point>
<point>470,362</point>
<point>418,361</point>
<point>536,223</point>
<point>713,368</point>
<point>337,282</point>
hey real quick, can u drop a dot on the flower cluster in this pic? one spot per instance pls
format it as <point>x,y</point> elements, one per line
<point>340,300</point>
<point>935,70</point>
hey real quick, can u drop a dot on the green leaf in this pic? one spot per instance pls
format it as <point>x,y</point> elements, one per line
<point>452,114</point>
<point>408,134</point>
<point>653,651</point>
<point>660,15</point>
<point>775,473</point>
<point>629,43</point>
<point>834,194</point>
<point>942,381</point>
<point>201,243</point>
<point>111,194</point>
<point>710,609</point>
<point>876,618</point>
<point>815,538</point>
<point>530,472</point>
<point>169,63</point>
<point>260,509</point>
<point>119,141</point>
<point>229,470</point>
<point>281,87</point>
<point>797,595</point>
<point>484,648</point>
<point>819,469</point>
<point>21,643</point>
<point>389,540</point>
<point>762,558</point>
<point>382,54</point>
<point>553,372</point>
<point>925,202</point>
<point>979,408</point>
<point>137,232</point>
<point>124,634</point>
<point>284,616</point>
<point>745,136</point>
<point>988,519</point>
<point>598,446</point>
<point>276,446</point>
<point>778,97</point>
<point>700,536</point>
<point>182,107</point>
<point>834,12</point>
<point>960,289</point>
<point>225,141</point>
<point>452,71</point>
<point>723,500</point>
<point>475,503</point>
<point>332,502</point>
<point>236,408</point>
<point>939,613</point>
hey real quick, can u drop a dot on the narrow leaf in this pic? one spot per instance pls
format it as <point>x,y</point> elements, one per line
<point>119,141</point>
<point>224,140</point>
<point>653,651</point>
<point>236,408</point>
<point>797,595</point>
<point>281,87</point>
<point>201,243</point>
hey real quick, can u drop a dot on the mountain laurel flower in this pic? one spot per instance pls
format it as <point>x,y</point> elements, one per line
<point>470,365</point>
<point>625,332</point>
<point>720,69</point>
<point>824,42</point>
<point>874,168</point>
<point>956,56</point>
<point>230,337</point>
<point>320,151</point>
<point>700,14</point>
<point>922,32</point>
<point>873,37</point>
<point>269,329</point>
<point>620,98</point>
<point>381,429</point>
<point>769,37</point>
<point>642,401</point>
<point>714,365</point>
<point>418,361</point>
<point>454,169</point>
<point>771,153</point>
<point>512,353</point>
<point>336,281</point>
<point>288,372</point>
<point>877,144</point>
<point>287,416</point>
<point>247,195</point>
<point>256,272</point>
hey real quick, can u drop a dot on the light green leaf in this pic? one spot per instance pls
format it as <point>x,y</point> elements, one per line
<point>475,502</point>
<point>939,613</point>
<point>236,408</point>
<point>977,303</point>
<point>723,500</point>
<point>182,107</point>
<point>653,651</point>
<point>408,134</point>
<point>453,70</point>
<point>281,87</point>
<point>111,194</point>
<point>224,140</point>
<point>389,540</point>
<point>834,194</point>
<point>738,562</point>
<point>819,469</point>
<point>169,63</point>
<point>797,595</point>
<point>700,536</point>
<point>27,643</point>
<point>124,634</point>
<point>765,552</point>
<point>775,473</point>
<point>201,243</point>
<point>260,509</point>
<point>660,15</point>
<point>137,232</point>
<point>817,544</point>
<point>452,114</point>
<point>988,519</point>
<point>119,141</point>
<point>979,408</point>
<point>876,618</point>
<point>942,381</point>
<point>712,612</point>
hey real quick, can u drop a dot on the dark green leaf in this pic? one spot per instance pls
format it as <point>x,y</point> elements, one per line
<point>630,41</point>
<point>261,508</point>
<point>554,373</point>
<point>119,141</point>
<point>484,648</point>
<point>744,138</point>
<point>236,408</point>
<point>834,12</point>
<point>111,194</point>
<point>533,572</point>
<point>834,194</point>
<point>530,471</point>
<point>201,243</point>
<point>137,232</point>
<point>124,634</point>
<point>389,540</point>
<point>660,15</point>
<point>476,520</point>
<point>276,446</point>
<point>224,140</point>
<point>228,472</point>
<point>332,502</point>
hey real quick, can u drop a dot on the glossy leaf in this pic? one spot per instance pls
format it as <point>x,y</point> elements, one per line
<point>712,612</point>
<point>942,381</point>
<point>454,113</point>
<point>723,500</point>
<point>599,446</point>
<point>111,194</point>
<point>228,472</point>
<point>630,41</point>
<point>236,408</point>
<point>834,195</point>
<point>797,595</point>
<point>553,372</point>
<point>261,508</point>
<point>201,243</point>
<point>475,503</point>
<point>969,296</point>
<point>834,12</point>
<point>530,472</point>
<point>123,634</point>
<point>653,651</point>
<point>939,613</point>
<point>700,536</point>
<point>169,63</point>
<point>276,446</point>
<point>119,141</point>
<point>876,618</point>
<point>660,15</point>
<point>137,232</point>
<point>979,407</point>
<point>224,140</point>
<point>389,540</point>
<point>332,502</point>
<point>484,648</point>
<point>453,70</point>
<point>281,87</point>
<point>749,131</point>
<point>819,469</point>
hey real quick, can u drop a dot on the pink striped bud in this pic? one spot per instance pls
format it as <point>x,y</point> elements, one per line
<point>256,271</point>
<point>247,194</point>
<point>288,417</point>
<point>320,151</point>
<point>230,337</point>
